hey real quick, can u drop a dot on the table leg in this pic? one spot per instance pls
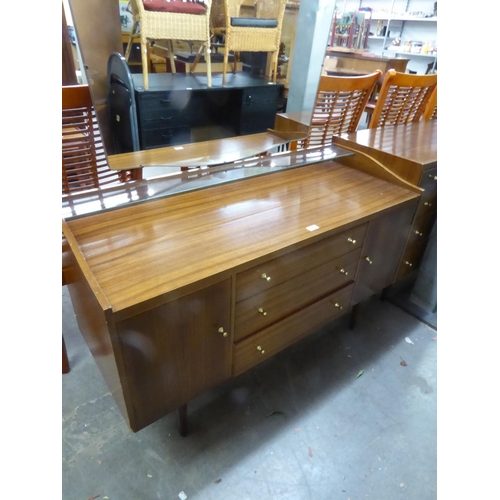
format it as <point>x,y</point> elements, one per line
<point>182,419</point>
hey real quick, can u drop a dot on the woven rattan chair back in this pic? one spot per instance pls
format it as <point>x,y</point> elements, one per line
<point>84,163</point>
<point>339,105</point>
<point>402,98</point>
<point>171,26</point>
<point>249,38</point>
<point>431,111</point>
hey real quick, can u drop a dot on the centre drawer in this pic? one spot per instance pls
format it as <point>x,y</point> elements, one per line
<point>269,306</point>
<point>271,273</point>
<point>265,344</point>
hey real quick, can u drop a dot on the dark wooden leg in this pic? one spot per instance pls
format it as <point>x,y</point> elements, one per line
<point>383,295</point>
<point>65,360</point>
<point>182,416</point>
<point>354,317</point>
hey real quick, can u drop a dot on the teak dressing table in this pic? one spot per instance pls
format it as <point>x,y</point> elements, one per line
<point>179,283</point>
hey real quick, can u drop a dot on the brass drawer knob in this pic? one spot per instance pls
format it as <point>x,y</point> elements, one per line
<point>221,330</point>
<point>266,277</point>
<point>419,233</point>
<point>264,313</point>
<point>338,306</point>
<point>259,348</point>
<point>343,271</point>
<point>350,240</point>
<point>367,258</point>
<point>408,263</point>
<point>435,177</point>
<point>427,204</point>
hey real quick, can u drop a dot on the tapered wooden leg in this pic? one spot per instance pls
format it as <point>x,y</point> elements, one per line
<point>354,317</point>
<point>182,417</point>
<point>383,295</point>
<point>65,360</point>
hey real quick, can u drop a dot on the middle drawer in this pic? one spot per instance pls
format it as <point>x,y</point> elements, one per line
<point>269,306</point>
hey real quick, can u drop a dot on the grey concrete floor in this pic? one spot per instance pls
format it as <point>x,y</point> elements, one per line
<point>300,426</point>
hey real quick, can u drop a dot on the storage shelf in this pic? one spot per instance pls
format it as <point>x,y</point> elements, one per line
<point>408,18</point>
<point>410,54</point>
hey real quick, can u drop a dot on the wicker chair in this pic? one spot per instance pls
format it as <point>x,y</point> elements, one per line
<point>431,111</point>
<point>84,163</point>
<point>339,105</point>
<point>402,98</point>
<point>261,33</point>
<point>188,21</point>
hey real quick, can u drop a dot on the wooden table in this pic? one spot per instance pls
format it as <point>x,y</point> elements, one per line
<point>176,294</point>
<point>363,64</point>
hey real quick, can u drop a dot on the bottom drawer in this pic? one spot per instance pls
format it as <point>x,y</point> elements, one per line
<point>161,137</point>
<point>265,344</point>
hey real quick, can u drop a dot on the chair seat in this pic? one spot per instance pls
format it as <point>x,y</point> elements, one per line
<point>178,6</point>
<point>253,22</point>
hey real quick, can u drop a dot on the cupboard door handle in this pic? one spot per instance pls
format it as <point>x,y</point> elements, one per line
<point>259,348</point>
<point>262,311</point>
<point>338,306</point>
<point>266,277</point>
<point>221,330</point>
<point>408,263</point>
<point>419,233</point>
<point>165,101</point>
<point>343,271</point>
<point>367,258</point>
<point>350,240</point>
<point>435,177</point>
<point>427,204</point>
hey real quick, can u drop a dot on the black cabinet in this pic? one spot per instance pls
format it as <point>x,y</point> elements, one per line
<point>180,108</point>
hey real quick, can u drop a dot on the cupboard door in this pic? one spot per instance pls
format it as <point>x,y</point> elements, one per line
<point>175,352</point>
<point>384,244</point>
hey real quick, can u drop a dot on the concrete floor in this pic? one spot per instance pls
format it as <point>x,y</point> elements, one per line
<point>300,426</point>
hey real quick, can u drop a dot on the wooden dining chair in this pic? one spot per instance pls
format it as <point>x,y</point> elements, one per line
<point>258,33</point>
<point>402,98</point>
<point>431,111</point>
<point>84,162</point>
<point>338,107</point>
<point>173,20</point>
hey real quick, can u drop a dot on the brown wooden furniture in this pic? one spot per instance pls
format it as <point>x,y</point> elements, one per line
<point>431,110</point>
<point>152,25</point>
<point>84,164</point>
<point>410,151</point>
<point>176,294</point>
<point>338,106</point>
<point>260,33</point>
<point>402,98</point>
<point>355,61</point>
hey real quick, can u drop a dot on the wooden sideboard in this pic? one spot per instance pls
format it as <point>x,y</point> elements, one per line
<point>410,151</point>
<point>176,294</point>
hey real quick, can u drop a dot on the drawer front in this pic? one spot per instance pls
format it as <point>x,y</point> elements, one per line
<point>428,200</point>
<point>269,274</point>
<point>421,229</point>
<point>258,109</point>
<point>411,258</point>
<point>181,107</point>
<point>161,137</point>
<point>270,306</point>
<point>268,342</point>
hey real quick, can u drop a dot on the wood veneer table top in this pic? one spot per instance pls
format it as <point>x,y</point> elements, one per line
<point>143,252</point>
<point>416,142</point>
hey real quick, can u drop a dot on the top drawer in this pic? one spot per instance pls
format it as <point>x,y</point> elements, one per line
<point>273,272</point>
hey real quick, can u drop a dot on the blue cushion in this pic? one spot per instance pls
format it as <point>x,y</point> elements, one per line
<point>254,22</point>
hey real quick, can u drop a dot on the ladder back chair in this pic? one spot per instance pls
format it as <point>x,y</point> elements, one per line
<point>338,107</point>
<point>402,98</point>
<point>84,162</point>
<point>174,20</point>
<point>261,33</point>
<point>431,111</point>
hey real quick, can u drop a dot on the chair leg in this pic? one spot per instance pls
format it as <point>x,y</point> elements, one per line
<point>208,60</point>
<point>144,59</point>
<point>171,56</point>
<point>275,66</point>
<point>235,61</point>
<point>131,40</point>
<point>224,67</point>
